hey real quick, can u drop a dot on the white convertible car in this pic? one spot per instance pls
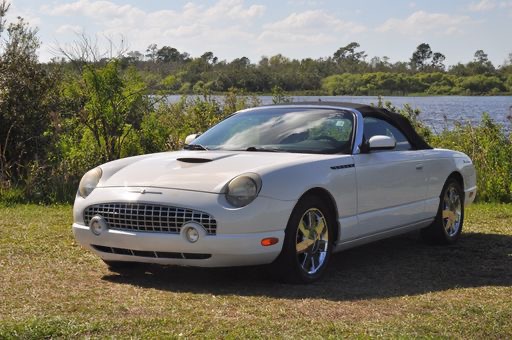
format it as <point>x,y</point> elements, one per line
<point>285,185</point>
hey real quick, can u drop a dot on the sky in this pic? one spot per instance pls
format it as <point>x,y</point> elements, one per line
<point>295,28</point>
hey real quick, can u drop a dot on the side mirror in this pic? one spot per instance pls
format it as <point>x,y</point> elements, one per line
<point>191,137</point>
<point>382,142</point>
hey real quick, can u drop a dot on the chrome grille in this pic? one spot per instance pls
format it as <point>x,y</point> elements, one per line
<point>149,217</point>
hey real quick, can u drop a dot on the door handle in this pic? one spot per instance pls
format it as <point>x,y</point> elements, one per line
<point>419,166</point>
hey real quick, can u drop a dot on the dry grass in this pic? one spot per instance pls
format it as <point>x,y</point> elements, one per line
<point>50,287</point>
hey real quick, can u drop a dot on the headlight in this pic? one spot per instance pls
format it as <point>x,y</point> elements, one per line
<point>89,182</point>
<point>243,189</point>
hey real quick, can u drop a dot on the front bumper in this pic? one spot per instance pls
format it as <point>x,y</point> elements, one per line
<point>469,195</point>
<point>237,241</point>
<point>224,250</point>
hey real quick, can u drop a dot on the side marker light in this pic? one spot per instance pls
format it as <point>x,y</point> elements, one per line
<point>269,241</point>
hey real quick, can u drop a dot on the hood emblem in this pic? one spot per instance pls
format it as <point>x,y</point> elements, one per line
<point>144,191</point>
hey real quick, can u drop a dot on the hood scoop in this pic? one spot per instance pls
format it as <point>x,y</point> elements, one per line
<point>194,160</point>
<point>205,157</point>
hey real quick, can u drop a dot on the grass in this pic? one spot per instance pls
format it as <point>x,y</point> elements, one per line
<point>50,287</point>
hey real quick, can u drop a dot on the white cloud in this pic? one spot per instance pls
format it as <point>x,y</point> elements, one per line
<point>97,9</point>
<point>294,38</point>
<point>64,29</point>
<point>107,10</point>
<point>233,9</point>
<point>305,2</point>
<point>421,22</point>
<point>225,25</point>
<point>505,4</point>
<point>488,5</point>
<point>204,27</point>
<point>28,16</point>
<point>313,21</point>
<point>483,5</point>
<point>317,29</point>
<point>112,15</point>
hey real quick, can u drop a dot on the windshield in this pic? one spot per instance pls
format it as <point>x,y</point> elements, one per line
<point>306,130</point>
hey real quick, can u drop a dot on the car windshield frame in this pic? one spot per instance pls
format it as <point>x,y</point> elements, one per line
<point>299,122</point>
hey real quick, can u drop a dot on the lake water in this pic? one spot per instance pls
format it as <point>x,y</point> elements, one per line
<point>438,112</point>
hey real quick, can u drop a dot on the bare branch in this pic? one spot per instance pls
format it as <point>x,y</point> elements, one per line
<point>86,50</point>
<point>116,50</point>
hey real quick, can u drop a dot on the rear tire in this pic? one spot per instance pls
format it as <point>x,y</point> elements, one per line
<point>307,244</point>
<point>447,226</point>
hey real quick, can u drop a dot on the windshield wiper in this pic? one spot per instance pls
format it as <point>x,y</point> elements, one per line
<point>260,149</point>
<point>195,147</point>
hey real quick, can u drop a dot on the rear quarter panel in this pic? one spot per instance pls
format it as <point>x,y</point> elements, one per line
<point>440,164</point>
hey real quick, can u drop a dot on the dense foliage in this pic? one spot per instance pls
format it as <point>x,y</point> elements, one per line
<point>436,83</point>
<point>347,71</point>
<point>60,119</point>
<point>27,100</point>
<point>491,151</point>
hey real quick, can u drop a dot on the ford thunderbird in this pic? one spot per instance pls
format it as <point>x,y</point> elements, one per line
<point>284,185</point>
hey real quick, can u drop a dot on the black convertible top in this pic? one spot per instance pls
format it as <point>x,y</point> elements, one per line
<point>395,119</point>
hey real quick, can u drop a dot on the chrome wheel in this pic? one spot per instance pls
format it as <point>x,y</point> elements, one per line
<point>312,241</point>
<point>448,223</point>
<point>452,211</point>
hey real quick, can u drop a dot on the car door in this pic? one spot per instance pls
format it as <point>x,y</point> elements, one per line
<point>391,184</point>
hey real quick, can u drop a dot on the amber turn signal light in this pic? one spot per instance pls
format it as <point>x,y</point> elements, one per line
<point>269,241</point>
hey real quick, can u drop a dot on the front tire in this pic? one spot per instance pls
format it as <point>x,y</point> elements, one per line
<point>308,243</point>
<point>447,226</point>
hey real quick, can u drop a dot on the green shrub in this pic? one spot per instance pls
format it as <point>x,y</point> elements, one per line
<point>11,196</point>
<point>435,83</point>
<point>482,84</point>
<point>491,151</point>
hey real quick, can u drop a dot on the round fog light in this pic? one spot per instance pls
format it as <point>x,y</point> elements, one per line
<point>192,234</point>
<point>97,225</point>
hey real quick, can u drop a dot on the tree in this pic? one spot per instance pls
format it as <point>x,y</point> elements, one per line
<point>481,64</point>
<point>168,54</point>
<point>209,57</point>
<point>348,59</point>
<point>151,52</point>
<point>4,7</point>
<point>278,60</point>
<point>348,53</point>
<point>243,62</point>
<point>26,101</point>
<point>438,61</point>
<point>420,57</point>
<point>109,104</point>
<point>506,69</point>
<point>481,57</point>
<point>135,55</point>
<point>380,64</point>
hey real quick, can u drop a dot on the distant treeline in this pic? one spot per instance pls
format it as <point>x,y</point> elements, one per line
<point>435,83</point>
<point>348,71</point>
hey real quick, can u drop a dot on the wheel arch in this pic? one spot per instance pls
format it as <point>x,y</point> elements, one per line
<point>458,177</point>
<point>326,196</point>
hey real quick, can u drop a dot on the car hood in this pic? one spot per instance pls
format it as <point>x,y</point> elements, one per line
<point>207,171</point>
